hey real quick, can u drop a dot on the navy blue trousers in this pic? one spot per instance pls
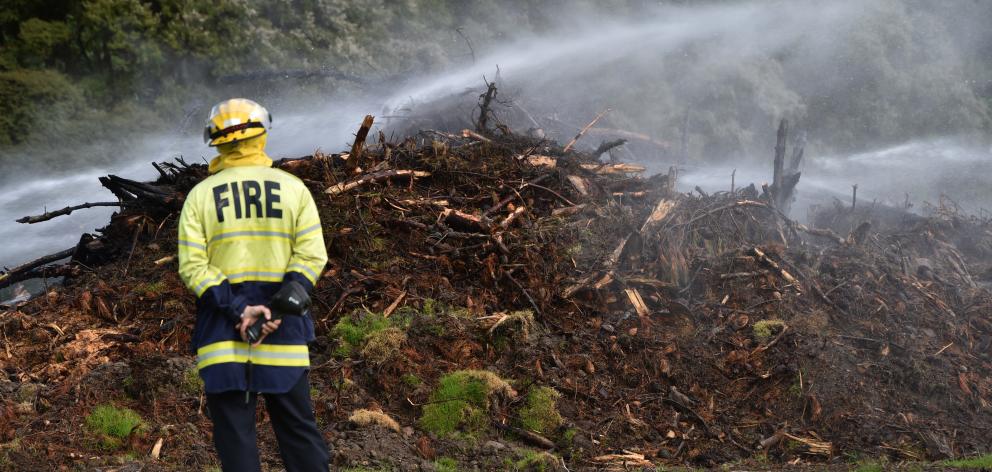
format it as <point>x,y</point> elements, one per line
<point>300,443</point>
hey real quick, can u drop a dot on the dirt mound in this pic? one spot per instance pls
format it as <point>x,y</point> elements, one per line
<point>514,306</point>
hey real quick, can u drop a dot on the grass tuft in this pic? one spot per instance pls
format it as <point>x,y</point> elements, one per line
<point>446,464</point>
<point>192,384</point>
<point>113,424</point>
<point>979,462</point>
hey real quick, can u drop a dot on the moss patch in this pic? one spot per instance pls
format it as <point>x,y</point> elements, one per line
<point>150,289</point>
<point>383,346</point>
<point>461,402</point>
<point>540,413</point>
<point>371,334</point>
<point>535,461</point>
<point>764,329</point>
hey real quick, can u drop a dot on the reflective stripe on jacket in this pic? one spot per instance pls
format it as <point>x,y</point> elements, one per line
<point>242,232</point>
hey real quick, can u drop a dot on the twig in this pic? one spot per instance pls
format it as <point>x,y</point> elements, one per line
<point>584,130</point>
<point>471,50</point>
<point>526,294</point>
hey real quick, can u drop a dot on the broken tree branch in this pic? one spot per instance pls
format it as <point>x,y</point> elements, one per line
<point>355,157</point>
<point>65,211</point>
<point>486,101</point>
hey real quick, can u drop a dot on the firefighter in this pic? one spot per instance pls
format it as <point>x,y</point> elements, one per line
<point>244,231</point>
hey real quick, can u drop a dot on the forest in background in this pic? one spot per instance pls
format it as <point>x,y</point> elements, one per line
<point>83,71</point>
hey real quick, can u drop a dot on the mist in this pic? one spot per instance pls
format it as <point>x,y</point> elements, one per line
<point>878,86</point>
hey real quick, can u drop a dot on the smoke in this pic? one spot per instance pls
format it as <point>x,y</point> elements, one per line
<point>883,88</point>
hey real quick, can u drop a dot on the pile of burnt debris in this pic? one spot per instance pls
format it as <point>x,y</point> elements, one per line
<point>495,301</point>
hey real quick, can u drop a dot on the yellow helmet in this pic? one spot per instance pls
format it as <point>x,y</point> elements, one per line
<point>234,120</point>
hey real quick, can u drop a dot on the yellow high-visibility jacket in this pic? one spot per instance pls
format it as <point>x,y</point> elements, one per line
<point>242,232</point>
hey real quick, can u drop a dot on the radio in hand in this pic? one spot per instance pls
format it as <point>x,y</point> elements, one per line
<point>292,299</point>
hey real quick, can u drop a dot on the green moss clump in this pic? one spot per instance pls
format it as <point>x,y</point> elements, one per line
<point>461,402</point>
<point>540,413</point>
<point>763,329</point>
<point>355,330</point>
<point>113,424</point>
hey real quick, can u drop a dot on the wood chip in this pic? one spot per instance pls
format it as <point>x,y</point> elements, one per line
<point>581,185</point>
<point>660,212</point>
<point>635,299</point>
<point>157,448</point>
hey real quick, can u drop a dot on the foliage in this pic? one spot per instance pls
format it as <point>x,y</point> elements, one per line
<point>83,70</point>
<point>33,99</point>
<point>540,413</point>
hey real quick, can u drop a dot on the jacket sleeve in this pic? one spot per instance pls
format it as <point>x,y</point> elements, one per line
<point>309,254</point>
<point>206,281</point>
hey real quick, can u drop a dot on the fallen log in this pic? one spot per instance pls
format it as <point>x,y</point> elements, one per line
<point>374,177</point>
<point>5,279</point>
<point>620,168</point>
<point>66,270</point>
